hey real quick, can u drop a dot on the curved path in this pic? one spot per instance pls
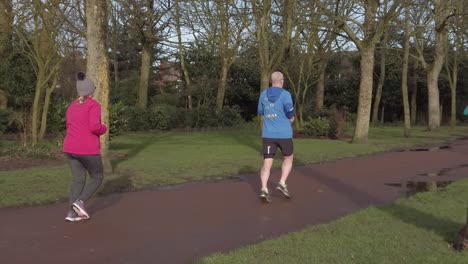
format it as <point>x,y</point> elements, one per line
<point>184,223</point>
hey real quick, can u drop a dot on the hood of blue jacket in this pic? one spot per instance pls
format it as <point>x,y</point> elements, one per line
<point>273,93</point>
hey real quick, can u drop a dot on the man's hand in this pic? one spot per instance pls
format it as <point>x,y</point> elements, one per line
<point>291,119</point>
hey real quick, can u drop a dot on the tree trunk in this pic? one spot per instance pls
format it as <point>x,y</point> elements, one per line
<point>414,95</point>
<point>3,100</point>
<point>433,100</point>
<point>37,106</point>
<point>182,56</point>
<point>404,77</point>
<point>453,113</point>
<point>452,73</point>
<point>114,45</point>
<point>441,13</point>
<point>98,65</point>
<point>265,79</point>
<point>116,65</point>
<point>365,95</point>
<point>6,26</point>
<point>222,84</point>
<point>144,77</point>
<point>382,114</point>
<point>320,93</point>
<point>45,110</point>
<point>378,93</point>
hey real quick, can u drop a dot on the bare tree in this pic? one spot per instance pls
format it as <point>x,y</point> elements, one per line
<point>455,48</point>
<point>148,19</point>
<point>181,48</point>
<point>272,46</point>
<point>38,28</point>
<point>307,58</point>
<point>221,24</point>
<point>365,38</point>
<point>327,37</point>
<point>440,13</point>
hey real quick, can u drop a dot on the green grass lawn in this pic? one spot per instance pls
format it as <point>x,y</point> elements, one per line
<point>414,230</point>
<point>164,158</point>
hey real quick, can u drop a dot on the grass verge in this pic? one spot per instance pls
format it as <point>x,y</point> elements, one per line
<point>144,160</point>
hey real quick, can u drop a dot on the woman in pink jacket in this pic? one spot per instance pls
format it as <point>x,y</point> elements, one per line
<point>82,147</point>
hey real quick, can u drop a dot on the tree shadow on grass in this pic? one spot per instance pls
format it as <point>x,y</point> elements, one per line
<point>443,227</point>
<point>248,140</point>
<point>135,149</point>
<point>117,184</point>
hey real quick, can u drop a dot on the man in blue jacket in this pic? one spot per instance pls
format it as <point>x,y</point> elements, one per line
<point>276,107</point>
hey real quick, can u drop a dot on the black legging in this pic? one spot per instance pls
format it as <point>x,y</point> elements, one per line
<point>79,164</point>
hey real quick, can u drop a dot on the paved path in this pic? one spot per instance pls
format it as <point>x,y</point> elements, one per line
<point>184,223</point>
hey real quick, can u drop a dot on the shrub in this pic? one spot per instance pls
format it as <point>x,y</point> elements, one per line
<point>229,116</point>
<point>5,119</point>
<point>206,117</point>
<point>319,126</point>
<point>138,119</point>
<point>337,121</point>
<point>351,117</point>
<point>56,120</point>
<point>165,117</point>
<point>119,118</point>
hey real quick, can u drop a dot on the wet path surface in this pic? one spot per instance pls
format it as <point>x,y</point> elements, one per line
<point>182,224</point>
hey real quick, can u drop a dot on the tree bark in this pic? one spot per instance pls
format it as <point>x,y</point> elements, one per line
<point>188,83</point>
<point>382,114</point>
<point>6,25</point>
<point>414,94</point>
<point>320,93</point>
<point>97,65</point>
<point>37,106</point>
<point>365,95</point>
<point>441,14</point>
<point>265,78</point>
<point>378,93</point>
<point>404,76</point>
<point>453,93</point>
<point>144,77</point>
<point>433,100</point>
<point>222,84</point>
<point>45,110</point>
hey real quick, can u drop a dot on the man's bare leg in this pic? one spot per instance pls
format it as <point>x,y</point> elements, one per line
<point>265,172</point>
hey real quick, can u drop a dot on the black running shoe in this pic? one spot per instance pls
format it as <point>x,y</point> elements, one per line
<point>265,196</point>
<point>284,189</point>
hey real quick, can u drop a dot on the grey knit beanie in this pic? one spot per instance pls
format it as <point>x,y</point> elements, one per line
<point>84,85</point>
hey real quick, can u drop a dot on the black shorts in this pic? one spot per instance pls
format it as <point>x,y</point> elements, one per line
<point>271,144</point>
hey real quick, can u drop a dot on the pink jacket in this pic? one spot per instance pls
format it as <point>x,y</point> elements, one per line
<point>84,128</point>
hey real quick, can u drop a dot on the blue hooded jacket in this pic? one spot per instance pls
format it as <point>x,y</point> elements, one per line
<point>276,106</point>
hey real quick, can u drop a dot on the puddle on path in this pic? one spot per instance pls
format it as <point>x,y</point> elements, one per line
<point>410,188</point>
<point>432,181</point>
